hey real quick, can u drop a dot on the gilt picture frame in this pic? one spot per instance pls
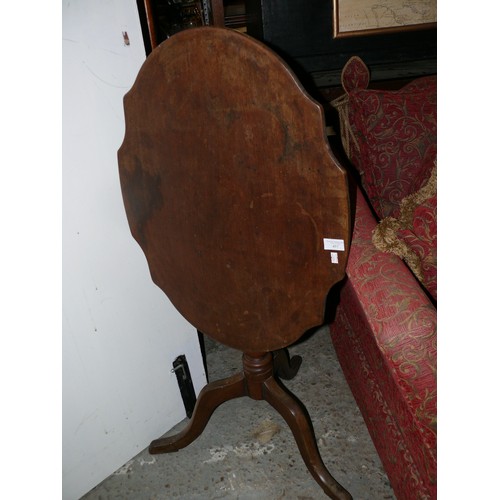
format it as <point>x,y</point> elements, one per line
<point>371,17</point>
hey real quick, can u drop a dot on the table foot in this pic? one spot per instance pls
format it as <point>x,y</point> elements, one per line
<point>296,416</point>
<point>210,397</point>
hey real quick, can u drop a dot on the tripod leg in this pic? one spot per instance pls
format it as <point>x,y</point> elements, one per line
<point>285,367</point>
<point>210,397</point>
<point>296,416</point>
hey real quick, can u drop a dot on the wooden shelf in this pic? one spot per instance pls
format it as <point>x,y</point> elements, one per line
<point>160,19</point>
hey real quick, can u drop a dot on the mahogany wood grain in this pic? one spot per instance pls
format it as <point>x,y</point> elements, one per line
<point>230,188</point>
<point>210,397</point>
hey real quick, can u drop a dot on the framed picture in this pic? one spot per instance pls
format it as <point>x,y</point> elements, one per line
<point>366,17</point>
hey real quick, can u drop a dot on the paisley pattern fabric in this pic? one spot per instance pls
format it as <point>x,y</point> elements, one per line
<point>413,235</point>
<point>355,75</point>
<point>384,334</point>
<point>422,239</point>
<point>385,330</point>
<point>389,136</point>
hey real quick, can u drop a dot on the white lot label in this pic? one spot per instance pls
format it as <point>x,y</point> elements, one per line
<point>332,244</point>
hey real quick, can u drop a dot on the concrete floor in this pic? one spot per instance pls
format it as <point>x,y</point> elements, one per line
<point>248,452</point>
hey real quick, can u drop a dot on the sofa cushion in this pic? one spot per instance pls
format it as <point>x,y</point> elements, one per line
<point>413,235</point>
<point>389,136</point>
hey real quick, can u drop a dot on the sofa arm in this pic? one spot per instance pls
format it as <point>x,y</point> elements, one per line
<point>384,333</point>
<point>390,291</point>
<point>398,314</point>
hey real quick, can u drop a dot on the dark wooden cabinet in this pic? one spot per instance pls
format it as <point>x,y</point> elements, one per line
<point>160,19</point>
<point>301,31</point>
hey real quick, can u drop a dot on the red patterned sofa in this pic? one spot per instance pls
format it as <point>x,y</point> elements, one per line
<point>384,331</point>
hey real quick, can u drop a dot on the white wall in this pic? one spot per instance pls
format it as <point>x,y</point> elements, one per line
<point>120,332</point>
